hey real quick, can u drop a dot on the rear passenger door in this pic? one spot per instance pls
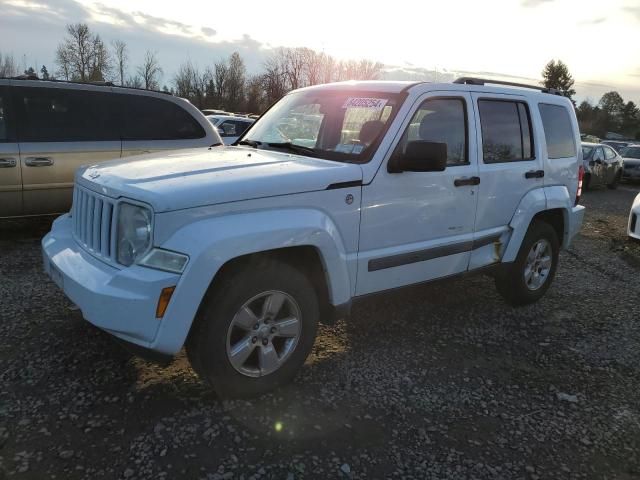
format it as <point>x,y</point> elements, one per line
<point>10,177</point>
<point>151,124</point>
<point>510,164</point>
<point>61,129</point>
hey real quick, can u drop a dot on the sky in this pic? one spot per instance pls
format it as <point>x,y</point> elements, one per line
<point>428,39</point>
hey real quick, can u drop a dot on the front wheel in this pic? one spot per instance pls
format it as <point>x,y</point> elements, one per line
<point>528,278</point>
<point>255,330</point>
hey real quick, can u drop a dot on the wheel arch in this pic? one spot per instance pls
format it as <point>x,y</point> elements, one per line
<point>301,237</point>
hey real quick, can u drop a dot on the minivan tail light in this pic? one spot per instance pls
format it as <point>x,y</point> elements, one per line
<point>580,179</point>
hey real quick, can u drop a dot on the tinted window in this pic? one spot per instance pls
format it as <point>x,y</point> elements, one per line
<point>609,153</point>
<point>586,152</point>
<point>630,152</point>
<point>59,115</point>
<point>233,128</point>
<point>441,120</point>
<point>506,131</point>
<point>557,131</point>
<point>151,118</point>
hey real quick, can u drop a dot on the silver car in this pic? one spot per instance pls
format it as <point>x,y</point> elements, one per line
<point>631,159</point>
<point>50,128</point>
<point>602,165</point>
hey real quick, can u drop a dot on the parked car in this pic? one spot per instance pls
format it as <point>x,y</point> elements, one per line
<point>602,165</point>
<point>617,145</point>
<point>633,229</point>
<point>49,128</point>
<point>211,111</point>
<point>631,159</point>
<point>238,252</point>
<point>230,128</point>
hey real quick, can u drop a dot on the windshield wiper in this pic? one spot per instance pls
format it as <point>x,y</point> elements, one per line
<point>294,147</point>
<point>251,143</point>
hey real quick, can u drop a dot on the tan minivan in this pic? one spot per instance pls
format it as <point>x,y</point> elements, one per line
<point>50,128</point>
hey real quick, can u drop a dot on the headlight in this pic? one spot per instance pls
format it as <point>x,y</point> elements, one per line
<point>133,234</point>
<point>166,260</point>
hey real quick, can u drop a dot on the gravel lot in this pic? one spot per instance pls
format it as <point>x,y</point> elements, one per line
<point>438,381</point>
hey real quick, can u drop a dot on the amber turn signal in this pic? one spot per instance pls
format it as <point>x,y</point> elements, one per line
<point>163,301</point>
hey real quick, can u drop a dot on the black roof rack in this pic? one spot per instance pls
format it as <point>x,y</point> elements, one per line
<point>99,83</point>
<point>483,81</point>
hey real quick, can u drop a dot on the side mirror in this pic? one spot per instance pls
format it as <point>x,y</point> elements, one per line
<point>420,156</point>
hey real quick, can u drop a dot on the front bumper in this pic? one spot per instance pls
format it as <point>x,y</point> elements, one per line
<point>120,301</point>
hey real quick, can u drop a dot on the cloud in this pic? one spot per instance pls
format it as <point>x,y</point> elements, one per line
<point>534,3</point>
<point>594,21</point>
<point>174,41</point>
<point>634,11</point>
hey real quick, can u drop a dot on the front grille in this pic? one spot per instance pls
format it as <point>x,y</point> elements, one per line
<point>94,222</point>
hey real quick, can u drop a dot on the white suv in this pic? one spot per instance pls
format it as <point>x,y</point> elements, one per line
<point>337,192</point>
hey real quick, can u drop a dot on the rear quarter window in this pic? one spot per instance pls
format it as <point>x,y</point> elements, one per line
<point>558,131</point>
<point>151,118</point>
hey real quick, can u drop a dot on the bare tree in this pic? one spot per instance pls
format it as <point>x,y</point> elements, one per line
<point>8,67</point>
<point>133,82</point>
<point>235,83</point>
<point>191,84</point>
<point>82,55</point>
<point>220,75</point>
<point>150,71</point>
<point>121,55</point>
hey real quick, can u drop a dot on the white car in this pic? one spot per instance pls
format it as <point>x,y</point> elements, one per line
<point>633,229</point>
<point>230,128</point>
<point>338,192</point>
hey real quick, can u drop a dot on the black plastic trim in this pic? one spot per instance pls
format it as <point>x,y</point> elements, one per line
<point>353,183</point>
<point>383,263</point>
<point>145,353</point>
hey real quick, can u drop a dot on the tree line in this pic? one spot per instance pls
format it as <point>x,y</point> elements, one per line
<point>225,84</point>
<point>610,114</point>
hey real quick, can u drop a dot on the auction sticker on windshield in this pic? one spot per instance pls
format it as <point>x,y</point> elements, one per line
<point>359,102</point>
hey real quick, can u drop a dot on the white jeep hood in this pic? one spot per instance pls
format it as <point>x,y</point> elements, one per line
<point>190,178</point>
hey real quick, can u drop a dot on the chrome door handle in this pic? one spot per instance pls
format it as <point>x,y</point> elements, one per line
<point>38,161</point>
<point>8,162</point>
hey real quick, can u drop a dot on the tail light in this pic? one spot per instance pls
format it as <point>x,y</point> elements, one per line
<point>580,178</point>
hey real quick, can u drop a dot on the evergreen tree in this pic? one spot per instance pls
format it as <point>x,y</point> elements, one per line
<point>556,75</point>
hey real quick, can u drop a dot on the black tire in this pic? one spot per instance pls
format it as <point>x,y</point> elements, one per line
<point>511,281</point>
<point>207,342</point>
<point>616,180</point>
<point>586,182</point>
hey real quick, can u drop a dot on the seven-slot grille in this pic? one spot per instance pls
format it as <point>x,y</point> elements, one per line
<point>93,222</point>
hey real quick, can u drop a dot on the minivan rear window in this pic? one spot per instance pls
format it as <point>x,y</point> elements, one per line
<point>151,118</point>
<point>557,131</point>
<point>63,115</point>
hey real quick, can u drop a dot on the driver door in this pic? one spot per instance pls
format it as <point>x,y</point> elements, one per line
<point>418,226</point>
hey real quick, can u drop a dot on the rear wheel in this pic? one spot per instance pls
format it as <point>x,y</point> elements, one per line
<point>256,330</point>
<point>586,182</point>
<point>616,180</point>
<point>528,278</point>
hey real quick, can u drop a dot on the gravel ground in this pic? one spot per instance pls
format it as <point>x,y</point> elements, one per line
<point>438,381</point>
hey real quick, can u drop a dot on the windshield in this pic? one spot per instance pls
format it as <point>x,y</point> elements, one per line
<point>630,152</point>
<point>337,125</point>
<point>586,152</point>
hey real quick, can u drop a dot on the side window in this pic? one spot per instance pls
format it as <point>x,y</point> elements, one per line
<point>506,131</point>
<point>609,153</point>
<point>599,155</point>
<point>440,120</point>
<point>151,118</point>
<point>61,115</point>
<point>228,129</point>
<point>557,131</point>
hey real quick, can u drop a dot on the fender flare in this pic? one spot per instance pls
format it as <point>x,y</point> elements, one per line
<point>212,242</point>
<point>534,202</point>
